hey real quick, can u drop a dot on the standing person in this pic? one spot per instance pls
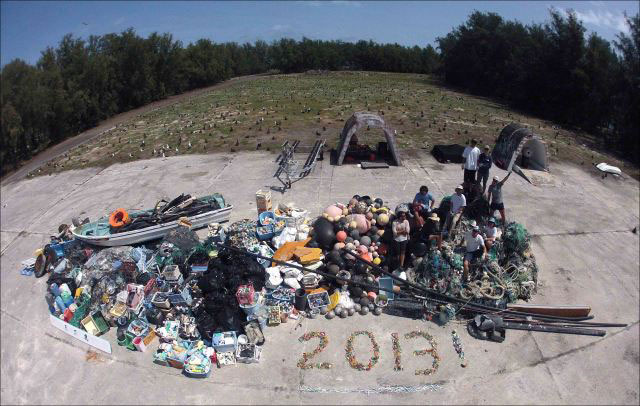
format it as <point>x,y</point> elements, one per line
<point>470,166</point>
<point>431,230</point>
<point>484,164</point>
<point>425,200</point>
<point>475,250</point>
<point>458,203</point>
<point>494,195</point>
<point>400,227</point>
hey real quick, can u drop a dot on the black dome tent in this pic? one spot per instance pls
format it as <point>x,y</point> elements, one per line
<point>518,146</point>
<point>358,120</point>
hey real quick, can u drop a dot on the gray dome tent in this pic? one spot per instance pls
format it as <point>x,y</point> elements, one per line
<point>518,146</point>
<point>358,120</point>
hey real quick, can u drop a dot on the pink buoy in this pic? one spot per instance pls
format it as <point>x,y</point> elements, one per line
<point>372,295</point>
<point>341,236</point>
<point>333,211</point>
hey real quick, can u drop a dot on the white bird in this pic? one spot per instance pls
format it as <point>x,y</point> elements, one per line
<point>154,151</point>
<point>163,155</point>
<point>176,150</point>
<point>130,155</point>
<point>112,155</point>
<point>189,144</point>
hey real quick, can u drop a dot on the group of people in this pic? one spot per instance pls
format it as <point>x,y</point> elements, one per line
<point>478,242</point>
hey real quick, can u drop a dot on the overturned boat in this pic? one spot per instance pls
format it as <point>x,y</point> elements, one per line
<point>126,228</point>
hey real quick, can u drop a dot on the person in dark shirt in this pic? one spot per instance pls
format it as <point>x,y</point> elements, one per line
<point>484,164</point>
<point>431,230</point>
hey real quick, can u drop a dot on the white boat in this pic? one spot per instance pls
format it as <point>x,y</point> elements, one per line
<point>101,233</point>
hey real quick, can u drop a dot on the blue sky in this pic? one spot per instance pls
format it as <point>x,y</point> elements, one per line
<point>28,27</point>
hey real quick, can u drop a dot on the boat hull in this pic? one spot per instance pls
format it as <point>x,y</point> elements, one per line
<point>157,231</point>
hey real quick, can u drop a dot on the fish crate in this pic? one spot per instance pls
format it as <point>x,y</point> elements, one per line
<point>225,342</point>
<point>161,300</point>
<point>181,299</point>
<point>135,295</point>
<point>318,299</point>
<point>248,353</point>
<point>197,366</point>
<point>275,315</point>
<point>138,328</point>
<point>172,275</point>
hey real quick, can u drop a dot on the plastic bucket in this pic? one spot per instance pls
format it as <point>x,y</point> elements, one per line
<point>139,343</point>
<point>251,309</point>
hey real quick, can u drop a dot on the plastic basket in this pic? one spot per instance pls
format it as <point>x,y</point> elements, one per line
<point>267,218</point>
<point>265,232</point>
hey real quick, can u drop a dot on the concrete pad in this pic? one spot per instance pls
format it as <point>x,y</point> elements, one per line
<point>581,241</point>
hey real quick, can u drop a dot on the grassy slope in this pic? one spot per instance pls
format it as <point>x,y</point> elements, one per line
<point>264,112</point>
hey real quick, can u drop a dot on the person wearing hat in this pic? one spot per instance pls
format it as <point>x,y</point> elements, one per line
<point>484,164</point>
<point>470,166</point>
<point>458,203</point>
<point>490,233</point>
<point>475,250</point>
<point>401,230</point>
<point>431,230</point>
<point>494,195</point>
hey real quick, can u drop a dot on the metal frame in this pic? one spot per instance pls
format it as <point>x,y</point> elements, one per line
<point>289,170</point>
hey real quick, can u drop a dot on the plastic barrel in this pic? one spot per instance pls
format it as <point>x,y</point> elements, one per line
<point>300,302</point>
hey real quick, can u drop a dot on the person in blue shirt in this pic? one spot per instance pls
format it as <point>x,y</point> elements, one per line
<point>484,164</point>
<point>425,200</point>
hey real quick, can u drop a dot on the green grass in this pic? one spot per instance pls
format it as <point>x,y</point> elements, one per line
<point>271,109</point>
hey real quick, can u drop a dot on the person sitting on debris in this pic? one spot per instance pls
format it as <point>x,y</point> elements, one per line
<point>424,199</point>
<point>491,233</point>
<point>484,164</point>
<point>470,165</point>
<point>475,250</point>
<point>400,227</point>
<point>494,195</point>
<point>458,203</point>
<point>431,230</point>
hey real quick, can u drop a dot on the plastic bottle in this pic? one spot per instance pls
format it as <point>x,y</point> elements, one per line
<point>51,301</point>
<point>60,304</point>
<point>54,289</point>
<point>66,298</point>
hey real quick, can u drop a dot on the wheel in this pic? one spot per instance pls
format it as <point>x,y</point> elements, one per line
<point>40,266</point>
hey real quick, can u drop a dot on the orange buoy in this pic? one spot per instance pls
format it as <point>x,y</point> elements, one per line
<point>119,218</point>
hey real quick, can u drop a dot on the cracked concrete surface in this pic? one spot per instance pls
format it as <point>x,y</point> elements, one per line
<point>581,238</point>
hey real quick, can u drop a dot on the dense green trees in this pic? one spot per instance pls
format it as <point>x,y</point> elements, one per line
<point>551,70</point>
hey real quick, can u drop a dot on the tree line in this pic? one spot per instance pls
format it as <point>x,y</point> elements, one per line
<point>551,70</point>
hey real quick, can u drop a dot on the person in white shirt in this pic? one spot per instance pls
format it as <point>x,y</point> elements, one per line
<point>400,228</point>
<point>491,233</point>
<point>475,250</point>
<point>471,155</point>
<point>458,203</point>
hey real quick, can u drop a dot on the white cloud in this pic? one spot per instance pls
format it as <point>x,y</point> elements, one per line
<point>600,18</point>
<point>280,27</point>
<point>119,21</point>
<point>346,3</point>
<point>604,18</point>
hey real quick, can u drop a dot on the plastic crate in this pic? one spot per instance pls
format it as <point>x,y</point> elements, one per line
<point>225,342</point>
<point>318,299</point>
<point>248,353</point>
